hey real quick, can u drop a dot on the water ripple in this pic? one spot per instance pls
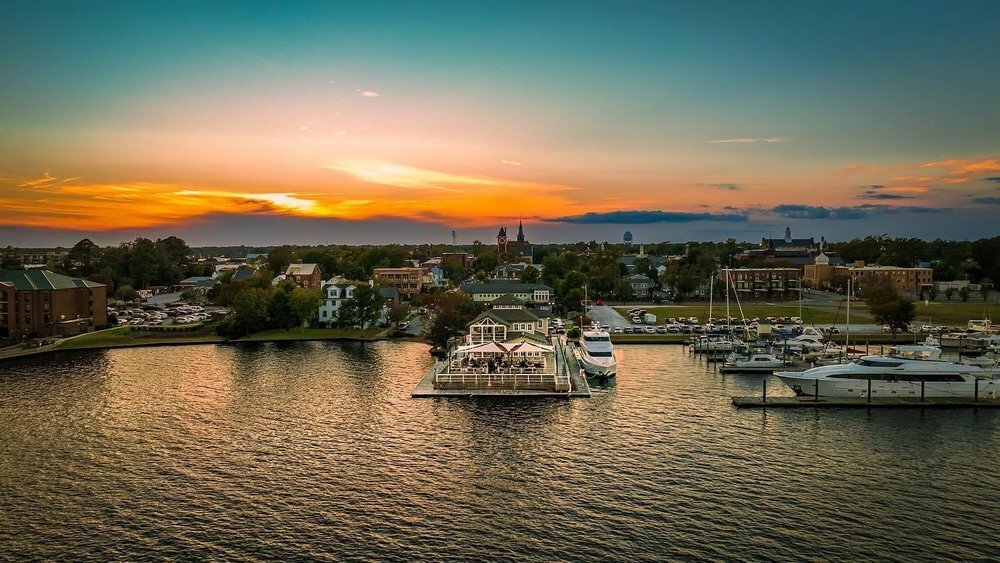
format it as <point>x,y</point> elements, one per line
<point>316,451</point>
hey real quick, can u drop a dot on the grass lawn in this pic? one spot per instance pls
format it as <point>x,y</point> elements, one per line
<point>954,313</point>
<point>122,336</point>
<point>825,315</point>
<point>315,334</point>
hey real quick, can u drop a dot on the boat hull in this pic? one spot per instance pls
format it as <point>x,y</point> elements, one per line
<point>887,389</point>
<point>596,369</point>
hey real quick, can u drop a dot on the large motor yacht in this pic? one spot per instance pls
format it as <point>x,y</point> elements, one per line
<point>597,353</point>
<point>900,373</point>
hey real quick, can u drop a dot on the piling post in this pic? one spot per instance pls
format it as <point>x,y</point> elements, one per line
<point>869,389</point>
<point>763,398</point>
<point>816,390</point>
<point>921,390</point>
<point>976,396</point>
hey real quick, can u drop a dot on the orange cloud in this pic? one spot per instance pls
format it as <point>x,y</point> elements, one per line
<point>965,166</point>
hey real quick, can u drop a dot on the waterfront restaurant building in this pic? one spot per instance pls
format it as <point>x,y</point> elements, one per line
<point>506,348</point>
<point>43,303</point>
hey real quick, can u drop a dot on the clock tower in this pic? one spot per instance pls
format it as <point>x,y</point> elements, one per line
<point>502,240</point>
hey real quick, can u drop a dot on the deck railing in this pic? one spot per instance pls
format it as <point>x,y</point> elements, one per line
<point>504,379</point>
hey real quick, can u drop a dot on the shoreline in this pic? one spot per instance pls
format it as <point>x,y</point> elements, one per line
<point>217,340</point>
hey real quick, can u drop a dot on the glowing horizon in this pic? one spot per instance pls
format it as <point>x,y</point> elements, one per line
<point>453,128</point>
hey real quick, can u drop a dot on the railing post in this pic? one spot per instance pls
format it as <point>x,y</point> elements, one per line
<point>764,394</point>
<point>816,390</point>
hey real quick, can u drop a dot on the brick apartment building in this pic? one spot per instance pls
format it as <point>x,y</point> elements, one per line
<point>407,281</point>
<point>763,282</point>
<point>43,303</point>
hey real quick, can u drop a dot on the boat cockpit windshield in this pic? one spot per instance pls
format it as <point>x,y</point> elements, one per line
<point>589,338</point>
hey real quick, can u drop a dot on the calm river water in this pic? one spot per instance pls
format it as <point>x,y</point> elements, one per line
<point>316,450</point>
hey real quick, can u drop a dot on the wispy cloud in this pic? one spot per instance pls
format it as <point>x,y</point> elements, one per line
<point>993,179</point>
<point>965,166</point>
<point>410,177</point>
<point>646,217</point>
<point>73,179</point>
<point>729,186</point>
<point>511,162</point>
<point>367,93</point>
<point>743,140</point>
<point>46,179</point>
<point>873,194</point>
<point>277,201</point>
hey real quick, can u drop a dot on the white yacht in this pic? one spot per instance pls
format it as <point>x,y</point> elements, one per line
<point>597,353</point>
<point>811,340</point>
<point>754,363</point>
<point>896,374</point>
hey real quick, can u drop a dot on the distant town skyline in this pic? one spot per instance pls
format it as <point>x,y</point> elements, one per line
<point>262,123</point>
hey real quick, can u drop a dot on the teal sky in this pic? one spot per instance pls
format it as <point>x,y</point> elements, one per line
<point>862,116</point>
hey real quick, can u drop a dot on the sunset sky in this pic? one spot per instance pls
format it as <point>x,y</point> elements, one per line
<point>372,122</point>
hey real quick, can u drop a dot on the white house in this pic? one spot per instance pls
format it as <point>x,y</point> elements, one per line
<point>334,294</point>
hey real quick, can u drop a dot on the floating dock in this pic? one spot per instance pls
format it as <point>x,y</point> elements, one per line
<point>564,356</point>
<point>863,403</point>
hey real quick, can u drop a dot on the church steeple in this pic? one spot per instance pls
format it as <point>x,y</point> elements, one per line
<point>520,231</point>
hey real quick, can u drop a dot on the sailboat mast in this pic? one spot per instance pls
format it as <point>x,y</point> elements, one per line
<point>727,297</point>
<point>711,293</point>
<point>847,339</point>
<point>800,297</point>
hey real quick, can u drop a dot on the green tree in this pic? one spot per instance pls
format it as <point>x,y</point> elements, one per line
<point>142,262</point>
<point>82,258</point>
<point>454,271</point>
<point>304,303</point>
<point>279,309</point>
<point>249,310</point>
<point>948,293</point>
<point>398,313</point>
<point>126,293</point>
<point>530,275</point>
<point>369,302</point>
<point>347,314</point>
<point>454,311</point>
<point>964,293</point>
<point>886,307</point>
<point>623,290</point>
<point>279,259</point>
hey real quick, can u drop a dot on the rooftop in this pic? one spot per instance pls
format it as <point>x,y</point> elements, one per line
<point>43,280</point>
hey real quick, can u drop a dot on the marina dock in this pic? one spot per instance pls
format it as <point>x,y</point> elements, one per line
<point>579,388</point>
<point>854,403</point>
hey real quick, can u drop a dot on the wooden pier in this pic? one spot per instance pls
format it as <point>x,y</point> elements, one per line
<point>564,358</point>
<point>863,403</point>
